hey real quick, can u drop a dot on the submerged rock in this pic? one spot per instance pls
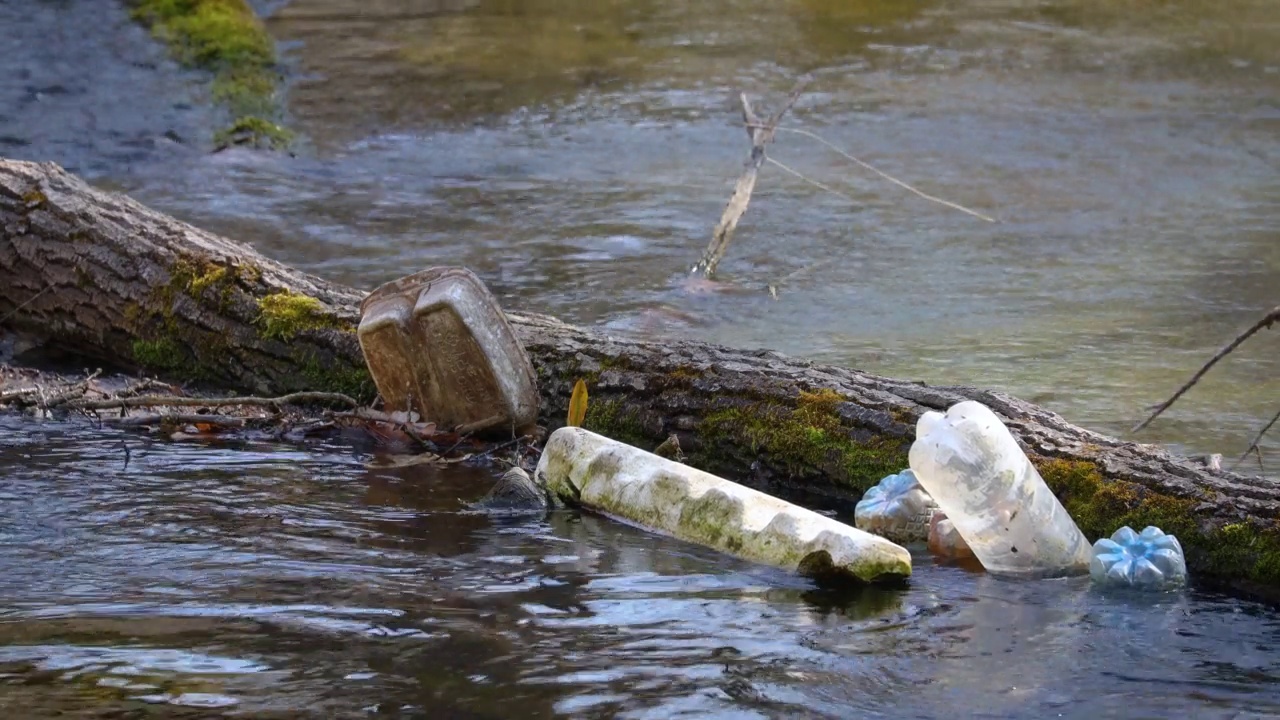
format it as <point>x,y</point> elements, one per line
<point>515,493</point>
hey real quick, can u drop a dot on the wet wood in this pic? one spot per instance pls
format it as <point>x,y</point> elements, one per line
<point>101,276</point>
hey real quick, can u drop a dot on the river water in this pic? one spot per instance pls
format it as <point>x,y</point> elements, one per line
<point>576,153</point>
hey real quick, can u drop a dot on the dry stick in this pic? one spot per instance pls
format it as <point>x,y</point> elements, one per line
<point>1267,321</point>
<point>21,393</point>
<point>868,166</point>
<point>811,181</point>
<point>761,134</point>
<point>1254,446</point>
<point>72,392</point>
<point>179,401</point>
<point>176,419</point>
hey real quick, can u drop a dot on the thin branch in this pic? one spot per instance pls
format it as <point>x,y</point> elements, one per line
<point>297,398</point>
<point>773,287</point>
<point>1254,446</point>
<point>175,419</point>
<point>887,176</point>
<point>761,134</point>
<point>1267,321</point>
<point>73,392</point>
<point>811,181</point>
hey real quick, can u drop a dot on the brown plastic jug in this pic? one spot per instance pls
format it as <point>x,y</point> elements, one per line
<point>437,342</point>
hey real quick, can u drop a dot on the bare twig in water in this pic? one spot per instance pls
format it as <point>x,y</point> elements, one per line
<point>775,286</point>
<point>507,444</point>
<point>1254,446</point>
<point>811,181</point>
<point>761,134</point>
<point>297,398</point>
<point>176,419</point>
<point>9,396</point>
<point>72,392</point>
<point>1267,321</point>
<point>868,166</point>
<point>144,384</point>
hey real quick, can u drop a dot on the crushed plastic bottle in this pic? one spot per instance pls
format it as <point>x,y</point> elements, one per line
<point>1151,560</point>
<point>897,508</point>
<point>974,469</point>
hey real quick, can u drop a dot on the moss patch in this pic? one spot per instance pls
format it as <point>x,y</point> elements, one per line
<point>160,354</point>
<point>228,39</point>
<point>254,131</point>
<point>354,382</point>
<point>285,314</point>
<point>1230,552</point>
<point>34,199</point>
<point>809,439</point>
<point>611,417</point>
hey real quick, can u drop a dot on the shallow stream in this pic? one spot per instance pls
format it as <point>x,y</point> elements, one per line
<point>576,153</point>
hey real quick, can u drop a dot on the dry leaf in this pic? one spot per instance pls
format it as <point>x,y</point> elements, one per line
<point>578,404</point>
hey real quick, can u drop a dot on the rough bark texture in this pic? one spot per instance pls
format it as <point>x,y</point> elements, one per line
<point>105,277</point>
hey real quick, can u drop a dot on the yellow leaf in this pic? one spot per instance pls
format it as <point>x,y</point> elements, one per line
<point>578,404</point>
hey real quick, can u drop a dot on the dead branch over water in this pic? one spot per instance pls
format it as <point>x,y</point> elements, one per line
<point>761,134</point>
<point>1265,322</point>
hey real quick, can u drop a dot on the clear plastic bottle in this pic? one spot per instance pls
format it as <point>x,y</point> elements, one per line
<point>974,469</point>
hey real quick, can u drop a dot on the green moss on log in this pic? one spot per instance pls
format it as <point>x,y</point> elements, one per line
<point>809,438</point>
<point>162,354</point>
<point>226,38</point>
<point>285,314</point>
<point>1227,553</point>
<point>354,382</point>
<point>612,418</point>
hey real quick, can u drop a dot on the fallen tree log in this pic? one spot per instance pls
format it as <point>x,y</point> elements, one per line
<point>101,276</point>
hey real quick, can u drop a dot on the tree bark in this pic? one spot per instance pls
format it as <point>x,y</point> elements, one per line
<point>101,276</point>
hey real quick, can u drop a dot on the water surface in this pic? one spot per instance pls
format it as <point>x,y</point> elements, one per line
<point>269,581</point>
<point>577,154</point>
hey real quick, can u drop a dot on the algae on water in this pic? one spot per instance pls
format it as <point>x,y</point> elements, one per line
<point>226,38</point>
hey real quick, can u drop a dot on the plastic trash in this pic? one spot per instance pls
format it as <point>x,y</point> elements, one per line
<point>515,493</point>
<point>626,483</point>
<point>974,469</point>
<point>897,508</point>
<point>945,541</point>
<point>437,342</point>
<point>1150,560</point>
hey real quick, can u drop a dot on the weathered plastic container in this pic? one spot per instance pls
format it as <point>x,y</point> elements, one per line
<point>639,487</point>
<point>438,343</point>
<point>896,508</point>
<point>1150,560</point>
<point>974,469</point>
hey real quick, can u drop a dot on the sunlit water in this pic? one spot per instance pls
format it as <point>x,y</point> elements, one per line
<point>577,154</point>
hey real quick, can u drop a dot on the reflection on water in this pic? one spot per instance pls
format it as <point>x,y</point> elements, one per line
<point>277,581</point>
